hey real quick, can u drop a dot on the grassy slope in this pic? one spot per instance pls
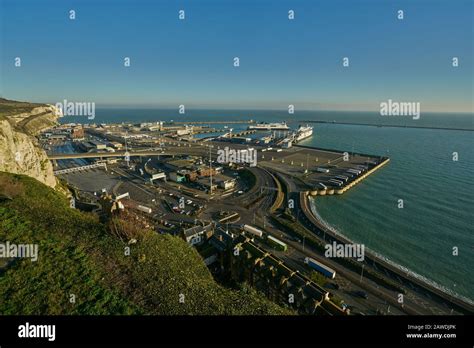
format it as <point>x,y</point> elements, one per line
<point>78,256</point>
<point>29,125</point>
<point>12,107</point>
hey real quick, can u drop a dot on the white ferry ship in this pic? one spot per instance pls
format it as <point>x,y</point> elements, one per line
<point>303,132</point>
<point>270,126</point>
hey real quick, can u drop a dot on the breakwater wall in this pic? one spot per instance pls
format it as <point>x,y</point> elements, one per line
<point>349,185</point>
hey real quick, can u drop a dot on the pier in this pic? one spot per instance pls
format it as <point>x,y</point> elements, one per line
<point>340,191</point>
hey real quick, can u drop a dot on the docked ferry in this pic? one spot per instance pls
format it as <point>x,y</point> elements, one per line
<point>303,132</point>
<point>269,126</point>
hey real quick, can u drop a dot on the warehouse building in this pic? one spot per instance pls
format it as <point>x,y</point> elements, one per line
<point>179,176</point>
<point>98,145</point>
<point>225,182</point>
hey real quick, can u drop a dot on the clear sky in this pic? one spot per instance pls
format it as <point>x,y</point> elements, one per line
<point>282,61</point>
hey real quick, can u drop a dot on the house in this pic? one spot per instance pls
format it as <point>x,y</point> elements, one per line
<point>116,145</point>
<point>77,133</point>
<point>225,182</point>
<point>222,240</point>
<point>198,234</point>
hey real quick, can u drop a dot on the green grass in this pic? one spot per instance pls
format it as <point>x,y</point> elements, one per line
<point>78,256</point>
<point>318,278</point>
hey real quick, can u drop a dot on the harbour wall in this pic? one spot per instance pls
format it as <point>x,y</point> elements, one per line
<point>340,191</point>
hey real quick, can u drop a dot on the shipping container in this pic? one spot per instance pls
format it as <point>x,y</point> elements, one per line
<point>318,266</point>
<point>277,244</point>
<point>144,209</point>
<point>252,230</point>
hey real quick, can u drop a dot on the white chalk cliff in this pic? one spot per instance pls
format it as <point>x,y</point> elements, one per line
<point>19,149</point>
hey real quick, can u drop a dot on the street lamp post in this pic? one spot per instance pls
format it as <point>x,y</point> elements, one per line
<point>210,170</point>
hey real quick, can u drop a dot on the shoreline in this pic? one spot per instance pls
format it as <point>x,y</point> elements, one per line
<point>376,254</point>
<point>383,264</point>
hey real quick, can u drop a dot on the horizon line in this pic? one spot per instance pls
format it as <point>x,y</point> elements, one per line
<point>232,108</point>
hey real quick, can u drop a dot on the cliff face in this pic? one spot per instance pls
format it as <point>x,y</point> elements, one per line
<point>19,150</point>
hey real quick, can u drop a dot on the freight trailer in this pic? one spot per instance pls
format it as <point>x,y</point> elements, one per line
<point>276,243</point>
<point>318,266</point>
<point>252,230</point>
<point>144,209</point>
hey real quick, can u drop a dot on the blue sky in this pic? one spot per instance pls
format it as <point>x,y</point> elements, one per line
<point>281,61</point>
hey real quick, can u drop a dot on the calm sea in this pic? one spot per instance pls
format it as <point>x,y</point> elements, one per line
<point>437,192</point>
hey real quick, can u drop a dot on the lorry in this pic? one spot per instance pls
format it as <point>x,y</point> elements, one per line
<point>321,268</point>
<point>335,182</point>
<point>342,177</point>
<point>354,171</point>
<point>123,195</point>
<point>252,230</point>
<point>144,209</point>
<point>277,244</point>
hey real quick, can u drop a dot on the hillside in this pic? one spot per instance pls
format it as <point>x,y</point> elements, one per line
<point>13,107</point>
<point>78,256</point>
<point>19,150</point>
